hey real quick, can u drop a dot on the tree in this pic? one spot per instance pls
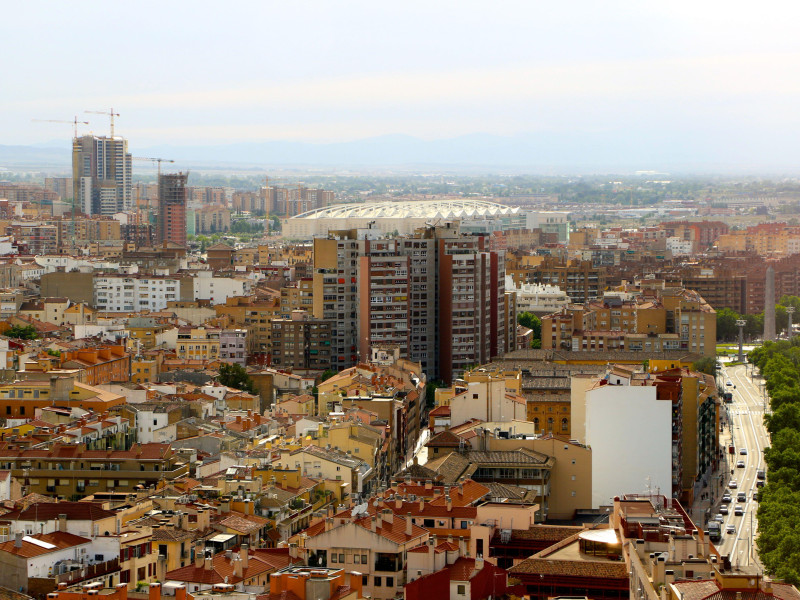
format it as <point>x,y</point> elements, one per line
<point>326,374</point>
<point>23,332</point>
<point>707,365</point>
<point>235,376</point>
<point>727,330</point>
<point>531,321</point>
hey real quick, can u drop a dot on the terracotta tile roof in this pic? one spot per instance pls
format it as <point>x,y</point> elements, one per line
<point>171,534</point>
<point>462,570</point>
<point>445,439</point>
<point>394,531</point>
<point>259,561</point>
<point>243,523</point>
<point>48,511</point>
<point>553,533</point>
<point>571,568</point>
<point>58,539</point>
<point>708,589</point>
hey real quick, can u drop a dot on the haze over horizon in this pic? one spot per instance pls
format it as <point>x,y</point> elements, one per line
<point>622,83</point>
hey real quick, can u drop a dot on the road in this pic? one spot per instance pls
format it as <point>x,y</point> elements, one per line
<point>746,416</point>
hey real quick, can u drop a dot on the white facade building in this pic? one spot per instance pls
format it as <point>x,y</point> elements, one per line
<point>537,298</point>
<point>219,289</point>
<point>630,433</point>
<point>679,246</point>
<point>119,293</point>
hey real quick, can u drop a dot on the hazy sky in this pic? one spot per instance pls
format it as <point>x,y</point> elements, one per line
<point>218,72</point>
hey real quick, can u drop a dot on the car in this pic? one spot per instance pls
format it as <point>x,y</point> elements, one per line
<point>740,464</point>
<point>719,517</point>
<point>726,499</point>
<point>761,474</point>
<point>729,383</point>
<point>743,451</point>
<point>741,497</point>
<point>755,496</point>
<point>723,510</point>
<point>732,484</point>
<point>759,483</point>
<point>730,529</point>
<point>738,510</point>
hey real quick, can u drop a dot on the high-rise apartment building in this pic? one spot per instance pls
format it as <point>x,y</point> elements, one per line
<point>101,175</point>
<point>172,208</point>
<point>438,297</point>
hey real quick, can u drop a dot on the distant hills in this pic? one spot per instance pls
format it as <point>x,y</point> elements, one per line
<point>531,153</point>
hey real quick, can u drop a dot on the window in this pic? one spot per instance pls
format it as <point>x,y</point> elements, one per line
<point>365,580</point>
<point>333,557</point>
<point>378,582</point>
<point>341,558</point>
<point>390,582</point>
<point>462,590</point>
<point>363,559</point>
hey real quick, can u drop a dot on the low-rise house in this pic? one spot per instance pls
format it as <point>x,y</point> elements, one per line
<point>376,546</point>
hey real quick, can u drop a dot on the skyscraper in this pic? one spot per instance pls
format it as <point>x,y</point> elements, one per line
<point>172,208</point>
<point>101,175</point>
<point>438,297</point>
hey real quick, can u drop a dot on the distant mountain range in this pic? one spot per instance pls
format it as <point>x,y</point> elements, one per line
<point>532,153</point>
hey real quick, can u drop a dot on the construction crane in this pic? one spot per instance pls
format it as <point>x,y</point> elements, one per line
<point>74,122</point>
<point>155,160</point>
<point>110,113</point>
<point>158,161</point>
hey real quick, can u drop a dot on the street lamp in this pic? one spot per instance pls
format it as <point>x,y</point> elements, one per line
<point>740,323</point>
<point>789,311</point>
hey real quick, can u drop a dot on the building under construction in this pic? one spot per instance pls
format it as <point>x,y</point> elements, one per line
<point>172,208</point>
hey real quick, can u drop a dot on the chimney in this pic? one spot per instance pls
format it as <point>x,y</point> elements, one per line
<point>207,563</point>
<point>155,591</point>
<point>244,554</point>
<point>449,502</point>
<point>388,515</point>
<point>293,550</point>
<point>428,484</point>
<point>328,523</point>
<point>398,501</point>
<point>462,546</point>
<point>237,566</point>
<point>660,568</point>
<point>180,592</point>
<point>409,524</point>
<point>18,540</point>
<point>479,562</point>
<point>373,525</point>
<point>421,503</point>
<point>62,523</point>
<point>198,554</point>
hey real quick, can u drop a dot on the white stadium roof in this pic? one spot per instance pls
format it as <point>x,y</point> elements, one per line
<point>421,209</point>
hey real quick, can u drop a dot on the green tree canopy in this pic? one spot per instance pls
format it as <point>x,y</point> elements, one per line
<point>235,376</point>
<point>706,365</point>
<point>727,331</point>
<point>23,332</point>
<point>531,321</point>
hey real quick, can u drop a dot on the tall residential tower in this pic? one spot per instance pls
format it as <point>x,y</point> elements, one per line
<point>172,208</point>
<point>101,175</point>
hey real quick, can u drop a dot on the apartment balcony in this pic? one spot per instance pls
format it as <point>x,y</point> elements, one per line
<point>87,571</point>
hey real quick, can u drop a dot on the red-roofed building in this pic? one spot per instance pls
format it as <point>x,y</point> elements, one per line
<point>374,545</point>
<point>245,570</point>
<point>464,578</point>
<point>36,564</point>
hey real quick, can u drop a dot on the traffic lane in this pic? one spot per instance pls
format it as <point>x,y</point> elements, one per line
<point>751,427</point>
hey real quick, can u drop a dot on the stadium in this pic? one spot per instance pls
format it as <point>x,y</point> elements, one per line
<point>404,217</point>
